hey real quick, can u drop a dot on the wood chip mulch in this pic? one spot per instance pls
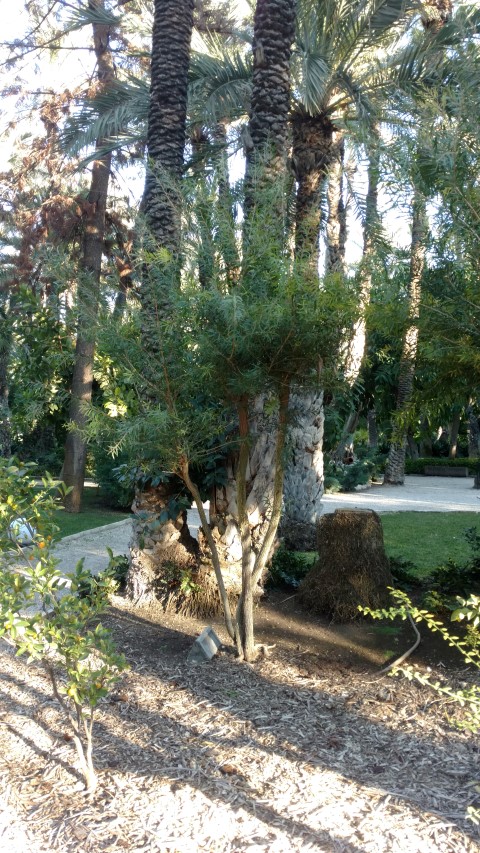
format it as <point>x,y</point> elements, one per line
<point>279,756</point>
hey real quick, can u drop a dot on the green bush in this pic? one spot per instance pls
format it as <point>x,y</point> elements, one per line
<point>53,617</point>
<point>416,466</point>
<point>452,579</point>
<point>345,478</point>
<point>115,478</point>
<point>288,568</point>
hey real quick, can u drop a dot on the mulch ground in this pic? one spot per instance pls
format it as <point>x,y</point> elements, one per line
<point>305,750</point>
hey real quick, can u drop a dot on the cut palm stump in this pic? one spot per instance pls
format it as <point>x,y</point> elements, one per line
<point>352,566</point>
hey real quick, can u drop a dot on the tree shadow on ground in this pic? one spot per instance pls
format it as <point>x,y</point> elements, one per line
<point>304,725</point>
<point>229,687</point>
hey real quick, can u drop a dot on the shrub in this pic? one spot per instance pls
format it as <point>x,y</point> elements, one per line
<point>48,616</point>
<point>468,696</point>
<point>416,466</point>
<point>288,568</point>
<point>453,579</point>
<point>115,479</point>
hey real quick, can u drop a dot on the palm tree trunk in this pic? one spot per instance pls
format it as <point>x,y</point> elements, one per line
<point>88,288</point>
<point>435,14</point>
<point>247,509</point>
<point>157,546</point>
<point>313,150</point>
<point>395,467</point>
<point>473,432</point>
<point>226,228</point>
<point>454,430</point>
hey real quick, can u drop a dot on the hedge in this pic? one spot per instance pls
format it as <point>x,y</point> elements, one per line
<point>416,466</point>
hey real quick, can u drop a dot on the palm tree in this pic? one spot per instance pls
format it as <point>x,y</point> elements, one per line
<point>435,14</point>
<point>161,206</point>
<point>338,78</point>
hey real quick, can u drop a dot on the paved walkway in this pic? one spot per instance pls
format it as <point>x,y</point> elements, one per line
<point>420,494</point>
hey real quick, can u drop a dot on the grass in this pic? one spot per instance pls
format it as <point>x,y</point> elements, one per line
<point>425,539</point>
<point>428,539</point>
<point>93,514</point>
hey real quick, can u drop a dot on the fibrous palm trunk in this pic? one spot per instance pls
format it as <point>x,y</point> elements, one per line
<point>88,287</point>
<point>247,510</point>
<point>395,467</point>
<point>313,152</point>
<point>155,547</point>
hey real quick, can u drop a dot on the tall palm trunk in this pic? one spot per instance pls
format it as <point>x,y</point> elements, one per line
<point>358,341</point>
<point>313,152</point>
<point>88,292</point>
<point>395,467</point>
<point>247,508</point>
<point>154,545</point>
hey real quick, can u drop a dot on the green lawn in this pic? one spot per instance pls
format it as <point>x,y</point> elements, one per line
<point>427,539</point>
<point>92,515</point>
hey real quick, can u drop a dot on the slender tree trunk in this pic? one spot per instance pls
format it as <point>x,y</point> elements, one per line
<point>88,288</point>
<point>358,341</point>
<point>336,220</point>
<point>435,13</point>
<point>5,347</point>
<point>372,429</point>
<point>226,227</point>
<point>473,432</point>
<point>203,209</point>
<point>454,430</point>
<point>395,467</point>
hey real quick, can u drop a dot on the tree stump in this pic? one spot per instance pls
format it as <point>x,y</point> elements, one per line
<point>352,567</point>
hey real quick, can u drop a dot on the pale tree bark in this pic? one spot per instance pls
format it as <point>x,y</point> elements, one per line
<point>454,431</point>
<point>395,467</point>
<point>357,342</point>
<point>88,292</point>
<point>226,227</point>
<point>336,219</point>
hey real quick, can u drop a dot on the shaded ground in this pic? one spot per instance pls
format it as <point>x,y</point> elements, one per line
<point>308,749</point>
<point>298,752</point>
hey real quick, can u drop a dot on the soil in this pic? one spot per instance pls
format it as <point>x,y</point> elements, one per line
<point>308,749</point>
